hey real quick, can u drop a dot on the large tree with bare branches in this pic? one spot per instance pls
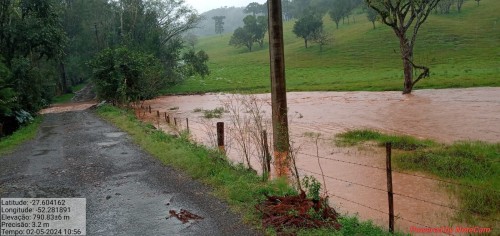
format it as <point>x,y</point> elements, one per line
<point>405,17</point>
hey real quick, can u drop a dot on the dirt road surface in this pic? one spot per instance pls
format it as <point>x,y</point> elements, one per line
<point>128,192</point>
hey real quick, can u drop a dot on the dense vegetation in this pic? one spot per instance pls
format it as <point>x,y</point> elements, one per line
<point>32,42</point>
<point>132,48</point>
<point>461,50</point>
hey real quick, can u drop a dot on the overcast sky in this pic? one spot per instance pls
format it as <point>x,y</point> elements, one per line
<point>206,5</point>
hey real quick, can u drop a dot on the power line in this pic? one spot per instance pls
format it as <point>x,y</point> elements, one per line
<point>348,162</point>
<point>383,212</point>
<point>357,203</point>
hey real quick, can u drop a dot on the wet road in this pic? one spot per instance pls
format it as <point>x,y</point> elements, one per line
<point>128,192</point>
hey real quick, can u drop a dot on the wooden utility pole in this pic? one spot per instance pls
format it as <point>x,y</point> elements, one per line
<point>278,89</point>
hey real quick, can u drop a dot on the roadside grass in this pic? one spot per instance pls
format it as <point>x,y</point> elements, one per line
<point>461,50</point>
<point>350,226</point>
<point>9,143</point>
<point>64,98</point>
<point>241,188</point>
<point>469,163</point>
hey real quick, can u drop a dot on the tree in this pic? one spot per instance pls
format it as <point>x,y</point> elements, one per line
<point>219,24</point>
<point>257,27</point>
<point>155,27</point>
<point>122,76</point>
<point>31,40</point>
<point>322,38</point>
<point>191,39</point>
<point>8,100</point>
<point>174,18</point>
<point>253,31</point>
<point>444,6</point>
<point>253,8</point>
<point>348,6</point>
<point>338,10</point>
<point>196,63</point>
<point>401,16</point>
<point>307,26</point>
<point>242,37</point>
<point>287,7</point>
<point>301,8</point>
<point>261,30</point>
<point>263,9</point>
<point>371,15</point>
<point>460,3</point>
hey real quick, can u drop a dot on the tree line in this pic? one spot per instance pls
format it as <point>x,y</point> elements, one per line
<point>130,48</point>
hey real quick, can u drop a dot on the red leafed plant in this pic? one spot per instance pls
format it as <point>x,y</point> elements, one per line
<point>297,212</point>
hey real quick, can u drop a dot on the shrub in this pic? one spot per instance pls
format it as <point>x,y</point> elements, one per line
<point>123,76</point>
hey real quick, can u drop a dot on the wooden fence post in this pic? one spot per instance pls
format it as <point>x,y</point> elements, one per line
<point>149,107</point>
<point>187,124</point>
<point>266,162</point>
<point>166,120</point>
<point>220,137</point>
<point>158,118</point>
<point>175,121</point>
<point>388,149</point>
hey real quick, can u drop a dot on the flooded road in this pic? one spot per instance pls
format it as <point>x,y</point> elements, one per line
<point>355,176</point>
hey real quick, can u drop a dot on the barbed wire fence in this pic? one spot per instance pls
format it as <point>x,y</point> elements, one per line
<point>215,137</point>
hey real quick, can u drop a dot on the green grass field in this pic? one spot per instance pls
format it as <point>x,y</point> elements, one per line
<point>469,163</point>
<point>462,50</point>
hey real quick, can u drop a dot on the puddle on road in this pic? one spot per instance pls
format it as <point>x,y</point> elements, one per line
<point>108,144</point>
<point>114,134</point>
<point>43,152</point>
<point>67,107</point>
<point>446,115</point>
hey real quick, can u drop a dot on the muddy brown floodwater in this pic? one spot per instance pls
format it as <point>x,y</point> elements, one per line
<point>445,115</point>
<point>65,107</point>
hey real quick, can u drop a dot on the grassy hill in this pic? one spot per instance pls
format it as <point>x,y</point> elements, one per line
<point>461,49</point>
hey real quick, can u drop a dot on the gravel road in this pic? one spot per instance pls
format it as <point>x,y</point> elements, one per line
<point>128,192</point>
